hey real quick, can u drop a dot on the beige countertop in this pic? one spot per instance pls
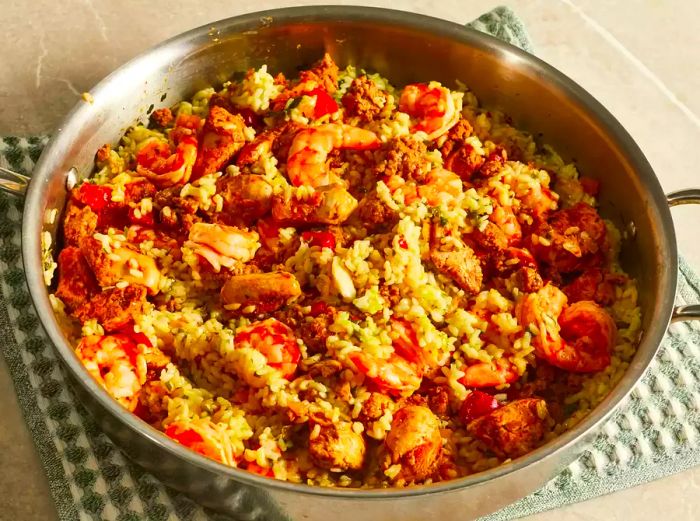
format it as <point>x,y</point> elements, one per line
<point>640,58</point>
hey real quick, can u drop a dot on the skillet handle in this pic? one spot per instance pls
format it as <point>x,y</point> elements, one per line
<point>688,196</point>
<point>13,183</point>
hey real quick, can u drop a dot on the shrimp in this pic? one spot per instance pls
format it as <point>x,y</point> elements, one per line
<point>221,245</point>
<point>264,292</point>
<point>576,338</point>
<point>206,438</point>
<point>414,442</point>
<point>118,365</point>
<point>222,136</point>
<point>164,166</point>
<point>432,105</point>
<point>395,374</point>
<point>441,187</point>
<point>484,374</point>
<point>306,164</point>
<point>275,341</point>
<point>504,218</point>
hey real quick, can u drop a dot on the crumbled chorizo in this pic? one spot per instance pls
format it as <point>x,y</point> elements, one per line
<point>364,99</point>
<point>103,153</point>
<point>141,189</point>
<point>114,308</point>
<point>162,117</point>
<point>464,161</point>
<point>405,157</point>
<point>414,442</point>
<point>76,282</point>
<point>78,223</point>
<point>324,72</point>
<point>222,136</point>
<point>493,164</point>
<point>336,447</point>
<point>314,330</point>
<point>513,429</point>
<point>461,266</point>
<point>571,240</point>
<point>527,279</point>
<point>375,215</point>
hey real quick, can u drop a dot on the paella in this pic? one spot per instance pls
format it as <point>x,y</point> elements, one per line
<point>331,280</point>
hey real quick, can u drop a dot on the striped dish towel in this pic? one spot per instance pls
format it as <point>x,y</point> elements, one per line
<point>655,432</point>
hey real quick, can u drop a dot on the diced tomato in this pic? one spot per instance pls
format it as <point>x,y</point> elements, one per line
<point>403,243</point>
<point>95,196</point>
<point>186,437</point>
<point>325,104</point>
<point>477,404</point>
<point>590,186</point>
<point>322,239</point>
<point>143,219</point>
<point>318,308</point>
<point>137,338</point>
<point>260,470</point>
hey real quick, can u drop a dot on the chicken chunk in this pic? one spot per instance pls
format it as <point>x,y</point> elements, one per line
<point>461,266</point>
<point>222,136</point>
<point>331,204</point>
<point>264,292</point>
<point>573,239</point>
<point>120,264</point>
<point>336,447</point>
<point>76,282</point>
<point>247,197</point>
<point>514,429</point>
<point>114,308</point>
<point>364,99</point>
<point>414,442</point>
<point>78,223</point>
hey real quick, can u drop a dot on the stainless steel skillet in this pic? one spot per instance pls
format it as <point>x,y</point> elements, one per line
<point>405,48</point>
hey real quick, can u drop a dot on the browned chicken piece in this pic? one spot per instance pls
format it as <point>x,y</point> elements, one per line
<point>76,282</point>
<point>375,215</point>
<point>491,240</point>
<point>572,239</point>
<point>527,280</point>
<point>247,197</point>
<point>364,99</point>
<point>404,157</point>
<point>438,398</point>
<point>374,407</point>
<point>324,72</point>
<point>461,266</point>
<point>336,447</point>
<point>274,141</point>
<point>222,136</point>
<point>594,284</point>
<point>414,442</point>
<point>162,117</point>
<point>114,308</point>
<point>514,429</point>
<point>312,328</point>
<point>120,264</point>
<point>330,204</point>
<point>464,161</point>
<point>78,223</point>
<point>264,292</point>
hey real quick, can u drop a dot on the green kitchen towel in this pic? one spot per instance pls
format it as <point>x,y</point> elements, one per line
<point>655,432</point>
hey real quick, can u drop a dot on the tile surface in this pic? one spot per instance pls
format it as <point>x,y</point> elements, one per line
<point>640,58</point>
